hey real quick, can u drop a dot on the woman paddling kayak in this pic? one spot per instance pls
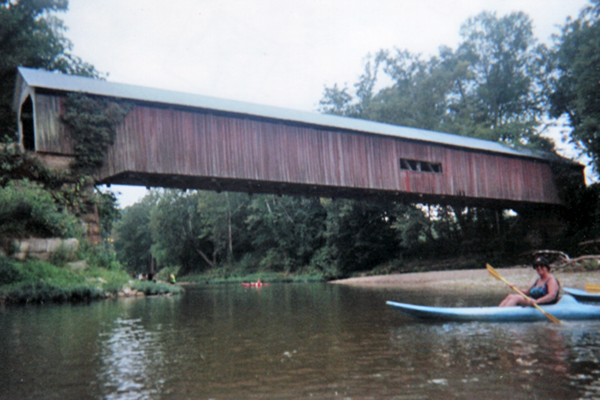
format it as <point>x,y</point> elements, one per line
<point>545,289</point>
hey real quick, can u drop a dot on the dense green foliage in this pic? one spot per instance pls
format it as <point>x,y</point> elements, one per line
<point>576,89</point>
<point>229,235</point>
<point>135,237</point>
<point>108,213</point>
<point>27,209</point>
<point>9,272</point>
<point>38,281</point>
<point>92,122</point>
<point>40,202</point>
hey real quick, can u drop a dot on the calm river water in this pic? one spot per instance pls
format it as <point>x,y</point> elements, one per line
<point>304,341</point>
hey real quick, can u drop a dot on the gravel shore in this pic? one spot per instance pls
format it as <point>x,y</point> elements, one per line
<point>474,280</point>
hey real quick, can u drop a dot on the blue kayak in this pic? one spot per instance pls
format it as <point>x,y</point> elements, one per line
<point>582,294</point>
<point>567,309</point>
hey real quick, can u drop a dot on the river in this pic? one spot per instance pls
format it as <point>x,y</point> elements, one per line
<point>297,341</point>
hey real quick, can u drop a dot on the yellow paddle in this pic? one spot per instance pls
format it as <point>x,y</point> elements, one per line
<point>496,275</point>
<point>592,288</point>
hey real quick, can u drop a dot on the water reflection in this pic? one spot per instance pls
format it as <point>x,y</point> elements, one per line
<point>131,357</point>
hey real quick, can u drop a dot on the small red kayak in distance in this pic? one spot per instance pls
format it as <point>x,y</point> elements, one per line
<point>254,284</point>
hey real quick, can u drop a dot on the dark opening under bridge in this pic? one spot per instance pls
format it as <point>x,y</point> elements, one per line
<point>186,141</point>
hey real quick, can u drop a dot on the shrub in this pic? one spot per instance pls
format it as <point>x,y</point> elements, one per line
<point>9,273</point>
<point>163,274</point>
<point>27,209</point>
<point>99,257</point>
<point>152,288</point>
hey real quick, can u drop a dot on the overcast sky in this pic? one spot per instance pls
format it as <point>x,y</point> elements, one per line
<point>273,52</point>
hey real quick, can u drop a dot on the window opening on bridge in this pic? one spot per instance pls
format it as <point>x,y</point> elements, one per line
<point>420,166</point>
<point>27,125</point>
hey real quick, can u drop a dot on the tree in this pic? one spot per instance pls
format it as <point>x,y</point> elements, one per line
<point>285,231</point>
<point>360,235</point>
<point>177,224</point>
<point>223,216</point>
<point>576,90</point>
<point>491,87</point>
<point>32,36</point>
<point>134,237</point>
<point>416,98</point>
<point>507,70</point>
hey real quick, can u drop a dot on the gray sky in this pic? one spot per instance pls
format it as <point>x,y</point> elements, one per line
<point>273,52</point>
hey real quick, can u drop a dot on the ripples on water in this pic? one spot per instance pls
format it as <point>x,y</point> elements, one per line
<point>130,357</point>
<point>288,341</point>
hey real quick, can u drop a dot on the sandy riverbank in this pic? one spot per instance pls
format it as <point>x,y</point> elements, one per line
<point>470,280</point>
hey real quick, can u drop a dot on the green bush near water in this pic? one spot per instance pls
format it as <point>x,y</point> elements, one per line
<point>37,281</point>
<point>9,272</point>
<point>27,209</point>
<point>155,288</point>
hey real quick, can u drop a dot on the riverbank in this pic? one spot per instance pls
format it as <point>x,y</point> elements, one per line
<point>38,281</point>
<point>215,278</point>
<point>471,281</point>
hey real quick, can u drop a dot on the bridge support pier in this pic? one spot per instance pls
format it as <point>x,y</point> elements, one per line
<point>89,216</point>
<point>91,225</point>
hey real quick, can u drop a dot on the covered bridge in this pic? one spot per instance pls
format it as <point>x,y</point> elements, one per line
<point>180,140</point>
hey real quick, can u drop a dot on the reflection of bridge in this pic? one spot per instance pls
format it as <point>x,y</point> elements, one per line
<point>184,141</point>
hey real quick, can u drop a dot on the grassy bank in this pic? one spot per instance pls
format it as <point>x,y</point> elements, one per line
<point>98,277</point>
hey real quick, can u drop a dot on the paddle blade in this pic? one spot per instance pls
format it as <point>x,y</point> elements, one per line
<point>592,288</point>
<point>550,316</point>
<point>493,272</point>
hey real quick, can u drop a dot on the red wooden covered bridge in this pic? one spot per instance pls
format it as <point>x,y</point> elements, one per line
<point>186,141</point>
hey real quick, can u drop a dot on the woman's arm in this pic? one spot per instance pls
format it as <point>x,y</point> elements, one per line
<point>526,291</point>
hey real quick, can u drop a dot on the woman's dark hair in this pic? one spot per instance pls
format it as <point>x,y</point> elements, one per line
<point>540,260</point>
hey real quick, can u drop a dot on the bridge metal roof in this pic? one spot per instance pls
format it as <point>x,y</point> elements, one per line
<point>71,83</point>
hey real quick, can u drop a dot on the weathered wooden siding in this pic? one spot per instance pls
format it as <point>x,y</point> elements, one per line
<point>171,142</point>
<point>51,135</point>
<point>174,142</point>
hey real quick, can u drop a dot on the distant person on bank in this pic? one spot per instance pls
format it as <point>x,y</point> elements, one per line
<point>545,290</point>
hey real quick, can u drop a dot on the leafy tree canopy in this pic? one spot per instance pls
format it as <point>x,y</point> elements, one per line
<point>491,87</point>
<point>576,89</point>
